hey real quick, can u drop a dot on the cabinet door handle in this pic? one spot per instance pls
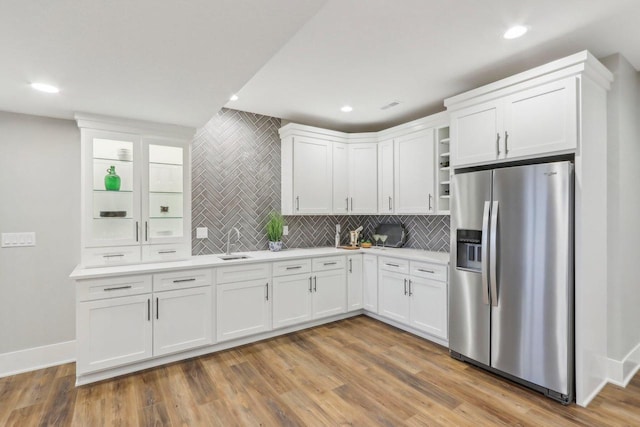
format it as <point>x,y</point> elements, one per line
<point>426,271</point>
<point>497,144</point>
<point>352,204</point>
<point>192,279</point>
<point>267,287</point>
<point>113,256</point>
<point>430,201</point>
<point>405,286</point>
<point>157,308</point>
<point>297,203</point>
<point>315,283</point>
<point>331,263</point>
<point>310,284</point>
<point>149,309</point>
<point>166,252</point>
<point>294,268</point>
<point>389,203</point>
<point>391,265</point>
<point>347,200</point>
<point>137,232</point>
<point>146,231</point>
<point>506,140</point>
<point>410,293</point>
<point>350,266</point>
<point>117,288</point>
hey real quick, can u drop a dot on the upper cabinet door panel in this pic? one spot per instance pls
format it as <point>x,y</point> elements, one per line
<point>476,134</point>
<point>312,176</point>
<point>385,177</point>
<point>415,173</point>
<point>363,185</point>
<point>340,179</point>
<point>542,120</point>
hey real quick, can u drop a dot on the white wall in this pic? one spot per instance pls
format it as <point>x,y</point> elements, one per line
<point>623,293</point>
<point>39,191</point>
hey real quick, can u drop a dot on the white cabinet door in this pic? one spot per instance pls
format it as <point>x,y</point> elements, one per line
<point>385,177</point>
<point>182,320</point>
<point>428,300</point>
<point>242,308</point>
<point>329,293</point>
<point>113,332</point>
<point>541,120</point>
<point>292,299</point>
<point>393,291</point>
<point>354,282</point>
<point>340,178</point>
<point>363,183</point>
<point>476,134</point>
<point>312,176</point>
<point>415,173</point>
<point>370,282</point>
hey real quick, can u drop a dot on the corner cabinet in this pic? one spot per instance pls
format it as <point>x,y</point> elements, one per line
<point>146,217</point>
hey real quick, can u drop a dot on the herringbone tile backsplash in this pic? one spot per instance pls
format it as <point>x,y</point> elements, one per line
<point>236,183</point>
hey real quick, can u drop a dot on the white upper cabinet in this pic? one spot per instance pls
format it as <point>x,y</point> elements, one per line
<point>414,167</point>
<point>363,185</point>
<point>340,178</point>
<point>312,176</point>
<point>528,121</point>
<point>385,177</point>
<point>136,192</point>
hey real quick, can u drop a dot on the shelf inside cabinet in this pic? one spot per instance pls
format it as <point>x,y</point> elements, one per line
<point>446,168</point>
<point>445,154</point>
<point>114,160</point>
<point>165,192</point>
<point>445,196</point>
<point>445,182</point>
<point>112,191</point>
<point>444,140</point>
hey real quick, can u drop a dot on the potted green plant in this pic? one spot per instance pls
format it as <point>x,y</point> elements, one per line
<point>275,227</point>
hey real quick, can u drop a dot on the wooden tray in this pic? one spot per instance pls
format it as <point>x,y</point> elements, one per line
<point>352,248</point>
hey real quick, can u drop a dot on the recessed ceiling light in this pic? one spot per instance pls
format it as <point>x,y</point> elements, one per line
<point>347,109</point>
<point>515,32</point>
<point>234,97</point>
<point>43,87</point>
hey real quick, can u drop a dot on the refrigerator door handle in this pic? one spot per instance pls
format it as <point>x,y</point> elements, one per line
<point>493,268</point>
<point>485,253</point>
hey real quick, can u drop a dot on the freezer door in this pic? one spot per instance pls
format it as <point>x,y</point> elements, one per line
<point>532,290</point>
<point>469,313</point>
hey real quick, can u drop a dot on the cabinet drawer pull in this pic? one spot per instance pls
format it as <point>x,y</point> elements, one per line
<point>347,199</point>
<point>137,232</point>
<point>331,263</point>
<point>267,286</point>
<point>297,203</point>
<point>506,140</point>
<point>405,286</point>
<point>315,283</point>
<point>157,308</point>
<point>310,284</point>
<point>149,309</point>
<point>193,279</point>
<point>167,252</point>
<point>426,271</point>
<point>389,203</point>
<point>294,268</point>
<point>391,265</point>
<point>350,266</point>
<point>117,288</point>
<point>113,256</point>
<point>497,144</point>
<point>410,293</point>
<point>430,196</point>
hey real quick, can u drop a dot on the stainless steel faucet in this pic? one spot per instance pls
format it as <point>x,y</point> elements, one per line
<point>229,239</point>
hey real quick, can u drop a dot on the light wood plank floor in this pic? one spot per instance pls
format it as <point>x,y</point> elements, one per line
<point>353,372</point>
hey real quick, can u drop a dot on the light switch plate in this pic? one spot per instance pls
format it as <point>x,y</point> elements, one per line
<point>202,232</point>
<point>337,228</point>
<point>285,230</point>
<point>14,240</point>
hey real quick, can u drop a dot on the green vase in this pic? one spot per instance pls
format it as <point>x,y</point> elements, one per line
<point>111,180</point>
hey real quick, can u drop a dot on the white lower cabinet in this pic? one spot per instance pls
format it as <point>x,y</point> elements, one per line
<point>354,282</point>
<point>182,320</point>
<point>113,332</point>
<point>243,308</point>
<point>428,306</point>
<point>292,299</point>
<point>394,301</point>
<point>370,283</point>
<point>329,293</point>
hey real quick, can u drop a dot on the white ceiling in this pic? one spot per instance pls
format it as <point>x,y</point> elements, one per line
<point>179,61</point>
<point>368,53</point>
<point>172,61</point>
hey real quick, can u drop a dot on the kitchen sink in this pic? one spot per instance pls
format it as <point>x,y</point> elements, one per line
<point>232,257</point>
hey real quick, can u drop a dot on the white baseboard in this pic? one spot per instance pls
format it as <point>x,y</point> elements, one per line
<point>31,359</point>
<point>620,372</point>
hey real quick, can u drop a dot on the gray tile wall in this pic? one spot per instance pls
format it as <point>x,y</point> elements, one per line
<point>236,183</point>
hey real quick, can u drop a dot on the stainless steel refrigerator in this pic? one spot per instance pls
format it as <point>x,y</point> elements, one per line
<point>511,288</point>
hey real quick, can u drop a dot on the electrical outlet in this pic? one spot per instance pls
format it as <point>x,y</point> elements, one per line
<point>202,232</point>
<point>285,230</point>
<point>337,228</point>
<point>14,240</point>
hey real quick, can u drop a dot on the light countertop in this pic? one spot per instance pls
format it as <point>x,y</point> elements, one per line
<point>204,261</point>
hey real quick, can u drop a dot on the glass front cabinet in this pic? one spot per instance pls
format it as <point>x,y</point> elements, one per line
<point>136,192</point>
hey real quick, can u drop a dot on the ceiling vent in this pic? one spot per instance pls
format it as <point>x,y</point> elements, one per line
<point>390,105</point>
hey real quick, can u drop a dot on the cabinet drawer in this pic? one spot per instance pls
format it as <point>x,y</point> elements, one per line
<point>114,255</point>
<point>285,268</point>
<point>182,279</point>
<point>394,264</point>
<point>429,271</point>
<point>329,263</point>
<point>165,252</point>
<point>239,273</point>
<point>95,289</point>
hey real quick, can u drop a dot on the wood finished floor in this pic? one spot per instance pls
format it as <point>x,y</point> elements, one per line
<point>353,372</point>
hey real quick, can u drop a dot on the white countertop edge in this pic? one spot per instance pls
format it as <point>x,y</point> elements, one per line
<point>205,261</point>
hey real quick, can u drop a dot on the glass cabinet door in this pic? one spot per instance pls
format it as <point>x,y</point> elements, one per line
<point>166,183</point>
<point>114,198</point>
